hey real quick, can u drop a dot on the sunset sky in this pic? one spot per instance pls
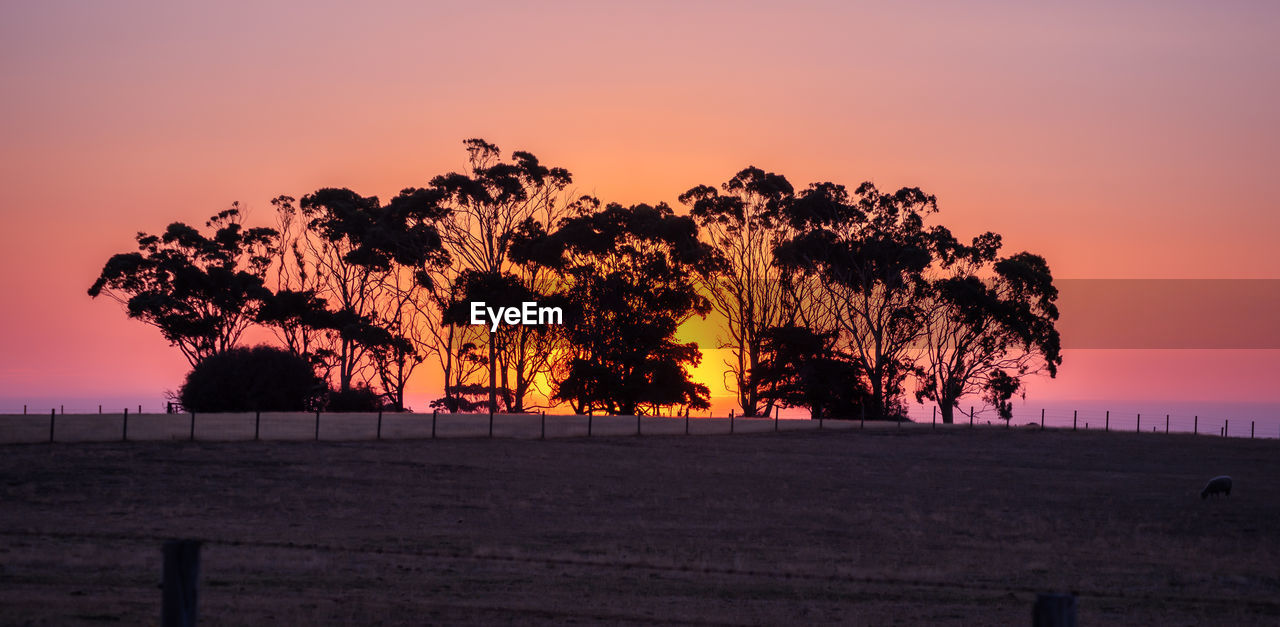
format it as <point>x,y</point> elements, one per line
<point>1131,139</point>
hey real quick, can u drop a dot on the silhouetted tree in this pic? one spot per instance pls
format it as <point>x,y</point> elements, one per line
<point>744,224</point>
<point>262,378</point>
<point>986,336</point>
<point>867,256</point>
<point>201,290</point>
<point>802,368</point>
<point>629,279</point>
<point>487,204</point>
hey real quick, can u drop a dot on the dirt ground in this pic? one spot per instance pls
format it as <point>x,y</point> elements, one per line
<point>874,527</point>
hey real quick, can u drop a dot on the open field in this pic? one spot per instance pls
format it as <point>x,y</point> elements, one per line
<point>907,526</point>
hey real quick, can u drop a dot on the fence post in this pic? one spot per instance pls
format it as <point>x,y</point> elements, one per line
<point>589,420</point>
<point>686,423</point>
<point>52,414</point>
<point>862,422</point>
<point>730,422</point>
<point>124,426</point>
<point>1107,426</point>
<point>1138,429</point>
<point>1042,419</point>
<point>1166,423</point>
<point>542,433</point>
<point>1075,415</point>
<point>1195,426</point>
<point>1226,427</point>
<point>99,410</point>
<point>434,412</point>
<point>180,586</point>
<point>317,424</point>
<point>1252,424</point>
<point>378,434</point>
<point>491,421</point>
<point>1054,610</point>
<point>24,410</point>
<point>638,424</point>
<point>193,427</point>
<point>257,424</point>
<point>935,417</point>
<point>775,420</point>
<point>62,409</point>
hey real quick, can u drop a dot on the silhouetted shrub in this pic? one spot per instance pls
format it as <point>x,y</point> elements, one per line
<point>262,378</point>
<point>359,398</point>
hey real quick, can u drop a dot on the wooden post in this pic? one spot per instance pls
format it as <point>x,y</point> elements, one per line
<point>378,433</point>
<point>1195,426</point>
<point>730,422</point>
<point>1108,423</point>
<point>1075,415</point>
<point>1226,424</point>
<point>1054,610</point>
<point>935,417</point>
<point>589,420</point>
<point>637,424</point>
<point>1138,429</point>
<point>317,424</point>
<point>775,420</point>
<point>124,426</point>
<point>1042,419</point>
<point>99,410</point>
<point>971,416</point>
<point>542,434</point>
<point>1252,424</point>
<point>180,587</point>
<point>193,427</point>
<point>820,421</point>
<point>139,409</point>
<point>862,421</point>
<point>24,410</point>
<point>52,414</point>
<point>1166,423</point>
<point>491,421</point>
<point>62,409</point>
<point>257,425</point>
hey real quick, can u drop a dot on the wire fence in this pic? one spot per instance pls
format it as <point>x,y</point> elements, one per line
<point>126,426</point>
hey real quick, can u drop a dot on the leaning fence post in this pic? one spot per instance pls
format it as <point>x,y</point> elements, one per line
<point>1054,610</point>
<point>971,415</point>
<point>180,587</point>
<point>1075,415</point>
<point>124,426</point>
<point>1042,419</point>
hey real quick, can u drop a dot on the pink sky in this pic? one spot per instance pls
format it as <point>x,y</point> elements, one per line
<point>1118,140</point>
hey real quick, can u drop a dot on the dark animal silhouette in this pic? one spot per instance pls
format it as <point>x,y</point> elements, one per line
<point>1217,485</point>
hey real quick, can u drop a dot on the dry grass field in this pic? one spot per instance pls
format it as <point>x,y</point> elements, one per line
<point>876,527</point>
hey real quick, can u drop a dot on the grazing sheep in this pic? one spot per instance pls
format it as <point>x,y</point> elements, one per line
<point>1217,485</point>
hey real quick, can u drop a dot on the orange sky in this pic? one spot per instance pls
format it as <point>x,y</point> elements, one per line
<point>1119,141</point>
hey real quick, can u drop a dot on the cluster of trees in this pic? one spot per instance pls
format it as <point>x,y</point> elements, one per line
<point>828,300</point>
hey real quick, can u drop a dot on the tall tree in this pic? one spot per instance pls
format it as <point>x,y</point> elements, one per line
<point>487,204</point>
<point>629,280</point>
<point>744,222</point>
<point>868,256</point>
<point>200,290</point>
<point>986,335</point>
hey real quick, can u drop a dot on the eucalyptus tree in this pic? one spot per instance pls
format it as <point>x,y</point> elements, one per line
<point>629,277</point>
<point>200,290</point>
<point>743,221</point>
<point>486,205</point>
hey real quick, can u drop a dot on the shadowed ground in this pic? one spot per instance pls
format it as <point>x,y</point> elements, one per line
<point>880,526</point>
